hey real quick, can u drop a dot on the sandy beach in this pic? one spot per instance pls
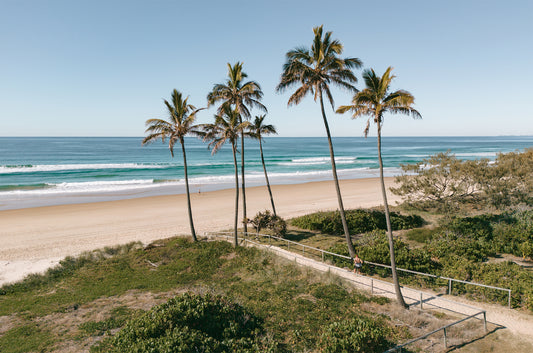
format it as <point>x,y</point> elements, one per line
<point>33,239</point>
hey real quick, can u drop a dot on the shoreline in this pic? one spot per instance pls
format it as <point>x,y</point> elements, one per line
<point>34,239</point>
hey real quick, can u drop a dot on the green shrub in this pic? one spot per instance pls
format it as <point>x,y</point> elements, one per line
<point>361,334</point>
<point>359,221</point>
<point>421,235</point>
<point>190,323</point>
<point>374,247</point>
<point>266,220</point>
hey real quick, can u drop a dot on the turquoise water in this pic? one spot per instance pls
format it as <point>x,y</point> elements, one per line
<point>55,170</point>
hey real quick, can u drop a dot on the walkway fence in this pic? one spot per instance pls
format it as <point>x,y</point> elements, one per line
<point>316,253</point>
<point>420,298</point>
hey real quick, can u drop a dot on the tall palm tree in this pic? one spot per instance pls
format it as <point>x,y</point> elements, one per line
<point>257,131</point>
<point>181,117</point>
<point>313,70</point>
<point>241,96</point>
<point>227,128</point>
<point>374,101</point>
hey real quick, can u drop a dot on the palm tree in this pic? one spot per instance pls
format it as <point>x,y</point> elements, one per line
<point>374,101</point>
<point>241,96</point>
<point>313,70</point>
<point>257,131</point>
<point>180,123</point>
<point>227,128</point>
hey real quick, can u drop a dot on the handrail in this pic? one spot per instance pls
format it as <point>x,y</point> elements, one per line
<point>449,279</point>
<point>372,280</point>
<point>443,328</point>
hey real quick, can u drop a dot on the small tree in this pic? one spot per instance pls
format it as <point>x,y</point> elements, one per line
<point>266,220</point>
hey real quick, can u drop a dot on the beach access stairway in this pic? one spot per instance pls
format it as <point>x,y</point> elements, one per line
<point>413,297</point>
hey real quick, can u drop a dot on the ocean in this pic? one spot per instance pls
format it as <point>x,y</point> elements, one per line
<point>41,171</point>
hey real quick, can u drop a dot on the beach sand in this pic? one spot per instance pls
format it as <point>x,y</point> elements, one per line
<point>34,239</point>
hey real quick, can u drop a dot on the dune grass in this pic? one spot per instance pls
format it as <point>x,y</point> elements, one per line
<point>64,307</point>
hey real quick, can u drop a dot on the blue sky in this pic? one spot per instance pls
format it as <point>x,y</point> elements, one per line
<point>101,68</point>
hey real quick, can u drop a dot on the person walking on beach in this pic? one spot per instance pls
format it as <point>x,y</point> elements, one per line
<point>358,263</point>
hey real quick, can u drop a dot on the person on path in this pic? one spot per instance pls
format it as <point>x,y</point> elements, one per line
<point>358,263</point>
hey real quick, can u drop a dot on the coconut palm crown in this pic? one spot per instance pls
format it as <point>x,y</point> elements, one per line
<point>180,122</point>
<point>236,93</point>
<point>374,101</point>
<point>312,71</point>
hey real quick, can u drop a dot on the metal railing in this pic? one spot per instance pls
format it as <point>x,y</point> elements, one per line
<point>229,237</point>
<point>310,249</point>
<point>443,328</point>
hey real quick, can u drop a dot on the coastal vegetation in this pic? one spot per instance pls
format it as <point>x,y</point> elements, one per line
<point>312,71</point>
<point>181,118</point>
<point>359,221</point>
<point>444,183</point>
<point>483,249</point>
<point>242,298</point>
<point>374,101</point>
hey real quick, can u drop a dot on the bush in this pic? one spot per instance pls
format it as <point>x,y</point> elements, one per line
<point>374,247</point>
<point>421,235</point>
<point>266,220</point>
<point>191,323</point>
<point>359,221</point>
<point>361,334</point>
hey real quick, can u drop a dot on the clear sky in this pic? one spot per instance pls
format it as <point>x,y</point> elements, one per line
<point>101,68</point>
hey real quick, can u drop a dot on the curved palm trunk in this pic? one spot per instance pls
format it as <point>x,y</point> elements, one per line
<point>399,296</point>
<point>193,233</point>
<point>244,219</point>
<point>335,178</point>
<point>236,222</point>
<point>266,177</point>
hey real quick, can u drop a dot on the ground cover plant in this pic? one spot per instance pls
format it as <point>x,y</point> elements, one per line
<point>100,294</point>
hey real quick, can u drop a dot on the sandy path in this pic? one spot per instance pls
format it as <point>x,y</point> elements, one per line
<point>517,322</point>
<point>33,239</point>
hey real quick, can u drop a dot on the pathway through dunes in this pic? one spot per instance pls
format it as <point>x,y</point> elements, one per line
<point>516,322</point>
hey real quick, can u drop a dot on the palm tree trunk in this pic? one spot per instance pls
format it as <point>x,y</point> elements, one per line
<point>244,219</point>
<point>193,233</point>
<point>236,222</point>
<point>399,296</point>
<point>266,176</point>
<point>335,178</point>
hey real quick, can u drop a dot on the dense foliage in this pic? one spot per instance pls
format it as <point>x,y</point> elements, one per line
<point>359,221</point>
<point>373,247</point>
<point>460,249</point>
<point>356,335</point>
<point>266,220</point>
<point>191,323</point>
<point>446,183</point>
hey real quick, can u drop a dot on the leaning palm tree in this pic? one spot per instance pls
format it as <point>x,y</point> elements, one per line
<point>257,131</point>
<point>227,128</point>
<point>313,70</point>
<point>180,123</point>
<point>374,101</point>
<point>241,96</point>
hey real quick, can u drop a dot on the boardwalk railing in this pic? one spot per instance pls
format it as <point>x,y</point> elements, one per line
<point>398,348</point>
<point>312,250</point>
<point>373,283</point>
